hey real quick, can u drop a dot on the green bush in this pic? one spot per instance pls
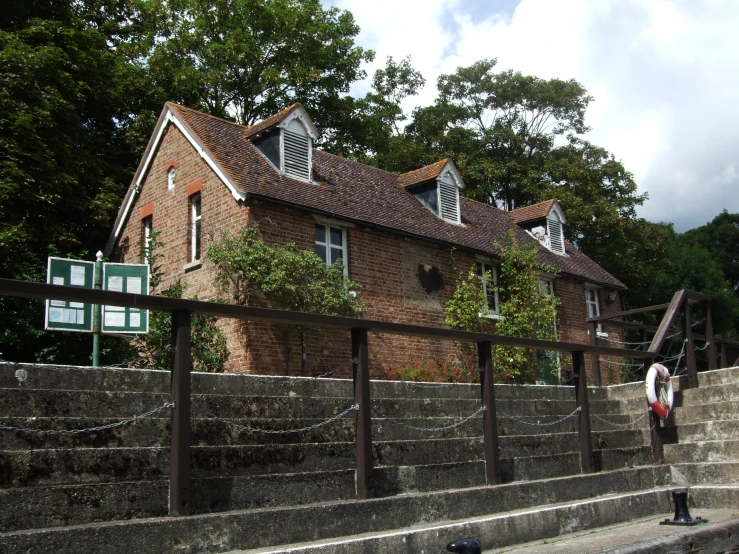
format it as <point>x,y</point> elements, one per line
<point>436,371</point>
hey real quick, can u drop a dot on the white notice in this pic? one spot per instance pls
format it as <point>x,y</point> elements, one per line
<point>115,283</point>
<point>78,305</point>
<point>56,316</point>
<point>57,281</point>
<point>77,275</point>
<point>135,319</point>
<point>80,317</point>
<point>133,285</point>
<point>115,319</point>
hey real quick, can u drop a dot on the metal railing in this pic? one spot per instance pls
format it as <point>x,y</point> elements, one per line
<point>182,311</point>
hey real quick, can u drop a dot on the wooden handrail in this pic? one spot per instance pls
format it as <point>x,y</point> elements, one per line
<point>28,289</point>
<point>664,327</point>
<point>635,311</point>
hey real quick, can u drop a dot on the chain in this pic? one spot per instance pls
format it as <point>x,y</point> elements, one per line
<point>575,411</point>
<point>342,366</point>
<point>437,429</point>
<point>90,429</point>
<point>352,408</point>
<point>637,420</point>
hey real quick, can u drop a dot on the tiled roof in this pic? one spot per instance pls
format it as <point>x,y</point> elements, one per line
<point>271,121</point>
<point>352,191</point>
<point>421,175</point>
<point>533,212</point>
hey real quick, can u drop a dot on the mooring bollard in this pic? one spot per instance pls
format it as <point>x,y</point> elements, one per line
<point>465,546</point>
<point>682,515</point>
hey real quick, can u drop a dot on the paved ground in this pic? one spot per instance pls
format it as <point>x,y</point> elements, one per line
<point>641,535</point>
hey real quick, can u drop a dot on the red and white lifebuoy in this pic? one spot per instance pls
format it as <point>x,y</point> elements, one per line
<point>659,409</point>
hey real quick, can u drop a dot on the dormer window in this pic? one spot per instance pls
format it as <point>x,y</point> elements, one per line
<point>545,222</point>
<point>555,232</point>
<point>437,187</point>
<point>286,141</point>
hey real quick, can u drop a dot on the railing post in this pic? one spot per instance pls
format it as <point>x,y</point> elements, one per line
<point>179,472</point>
<point>593,328</point>
<point>654,424</point>
<point>490,417</point>
<point>709,336</point>
<point>644,346</point>
<point>722,350</point>
<point>689,347</point>
<point>363,426</point>
<point>581,394</point>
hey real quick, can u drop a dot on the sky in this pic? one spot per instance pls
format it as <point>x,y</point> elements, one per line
<point>664,75</point>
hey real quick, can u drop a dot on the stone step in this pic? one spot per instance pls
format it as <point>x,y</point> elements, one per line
<point>700,413</point>
<point>641,536</point>
<point>49,506</point>
<point>707,395</point>
<point>23,468</point>
<point>704,430</point>
<point>493,531</point>
<point>155,431</point>
<point>714,496</point>
<point>703,451</point>
<point>63,403</point>
<point>42,376</point>
<point>268,526</point>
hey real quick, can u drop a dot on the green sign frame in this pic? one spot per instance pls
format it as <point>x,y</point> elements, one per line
<point>69,316</point>
<point>131,278</point>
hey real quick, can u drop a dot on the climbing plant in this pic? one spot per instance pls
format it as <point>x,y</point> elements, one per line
<point>526,309</point>
<point>208,343</point>
<point>283,277</point>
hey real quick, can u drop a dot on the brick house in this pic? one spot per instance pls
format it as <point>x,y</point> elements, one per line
<point>200,175</point>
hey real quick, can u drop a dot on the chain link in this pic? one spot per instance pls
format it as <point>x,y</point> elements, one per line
<point>637,420</point>
<point>438,429</point>
<point>342,366</point>
<point>575,411</point>
<point>47,432</point>
<point>352,408</point>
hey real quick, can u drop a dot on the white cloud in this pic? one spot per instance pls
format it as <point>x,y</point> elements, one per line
<point>663,75</point>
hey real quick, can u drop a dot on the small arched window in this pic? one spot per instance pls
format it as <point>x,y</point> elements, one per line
<point>170,179</point>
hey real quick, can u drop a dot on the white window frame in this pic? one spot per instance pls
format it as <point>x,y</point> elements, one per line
<point>196,217</point>
<point>594,303</point>
<point>328,246</point>
<point>171,174</point>
<point>147,226</point>
<point>486,282</point>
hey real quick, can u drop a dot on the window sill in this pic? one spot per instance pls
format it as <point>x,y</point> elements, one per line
<point>192,266</point>
<point>489,315</point>
<point>601,335</point>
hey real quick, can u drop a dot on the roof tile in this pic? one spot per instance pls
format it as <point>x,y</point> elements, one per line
<point>533,212</point>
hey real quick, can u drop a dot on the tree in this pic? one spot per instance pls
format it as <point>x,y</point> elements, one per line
<point>283,276</point>
<point>720,238</point>
<point>247,59</point>
<point>526,310</point>
<point>517,140</point>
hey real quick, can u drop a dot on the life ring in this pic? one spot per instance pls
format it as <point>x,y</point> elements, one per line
<point>658,407</point>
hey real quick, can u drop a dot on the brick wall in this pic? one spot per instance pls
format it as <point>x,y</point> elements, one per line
<point>386,266</point>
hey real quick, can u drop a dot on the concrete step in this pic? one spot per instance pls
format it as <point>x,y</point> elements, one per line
<point>495,531</point>
<point>268,526</point>
<point>703,451</point>
<point>702,431</point>
<point>708,412</point>
<point>714,496</point>
<point>707,395</point>
<point>642,536</point>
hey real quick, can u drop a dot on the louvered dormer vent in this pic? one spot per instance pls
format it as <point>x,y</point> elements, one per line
<point>555,236</point>
<point>449,201</point>
<point>297,152</point>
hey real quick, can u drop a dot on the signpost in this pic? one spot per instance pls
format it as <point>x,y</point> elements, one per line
<point>86,318</point>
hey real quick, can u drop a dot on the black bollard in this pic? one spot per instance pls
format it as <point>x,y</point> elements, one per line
<point>682,515</point>
<point>465,546</point>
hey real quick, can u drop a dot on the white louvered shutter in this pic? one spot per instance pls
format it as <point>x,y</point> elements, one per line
<point>297,155</point>
<point>555,236</point>
<point>448,201</point>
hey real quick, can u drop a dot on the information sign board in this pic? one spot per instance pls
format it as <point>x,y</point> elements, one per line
<point>69,316</point>
<point>131,278</point>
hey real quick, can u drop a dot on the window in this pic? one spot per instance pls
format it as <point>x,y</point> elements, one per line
<point>591,301</point>
<point>195,227</point>
<point>428,195</point>
<point>170,179</point>
<point>449,200</point>
<point>331,245</point>
<point>297,155</point>
<point>146,229</point>
<point>556,237</point>
<point>488,277</point>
